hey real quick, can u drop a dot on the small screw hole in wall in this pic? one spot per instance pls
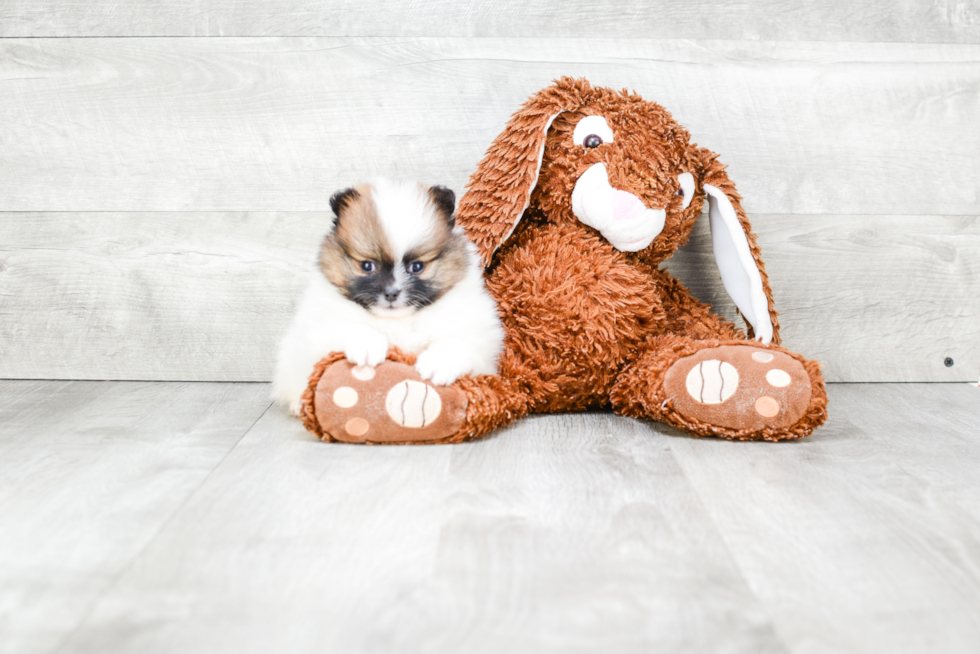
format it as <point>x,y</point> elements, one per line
<point>948,362</point>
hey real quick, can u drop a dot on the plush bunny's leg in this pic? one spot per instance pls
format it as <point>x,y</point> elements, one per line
<point>391,404</point>
<point>734,389</point>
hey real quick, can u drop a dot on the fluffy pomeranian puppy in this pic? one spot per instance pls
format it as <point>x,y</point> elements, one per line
<point>394,270</point>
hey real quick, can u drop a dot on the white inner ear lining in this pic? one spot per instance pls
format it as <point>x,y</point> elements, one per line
<point>738,269</point>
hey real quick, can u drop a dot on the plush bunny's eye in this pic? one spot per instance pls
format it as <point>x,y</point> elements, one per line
<point>591,132</point>
<point>686,190</point>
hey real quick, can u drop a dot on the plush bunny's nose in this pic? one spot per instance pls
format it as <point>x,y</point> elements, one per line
<point>621,217</point>
<point>626,206</point>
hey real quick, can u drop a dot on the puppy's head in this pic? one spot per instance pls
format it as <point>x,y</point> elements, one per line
<point>393,248</point>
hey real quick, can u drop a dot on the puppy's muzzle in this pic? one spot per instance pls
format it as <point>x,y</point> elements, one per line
<point>620,217</point>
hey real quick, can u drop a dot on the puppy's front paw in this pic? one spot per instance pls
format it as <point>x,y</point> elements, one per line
<point>287,391</point>
<point>366,348</point>
<point>441,366</point>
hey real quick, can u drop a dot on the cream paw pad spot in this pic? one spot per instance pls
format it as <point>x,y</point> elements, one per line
<point>413,404</point>
<point>712,381</point>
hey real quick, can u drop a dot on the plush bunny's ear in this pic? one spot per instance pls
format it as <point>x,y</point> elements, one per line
<point>500,189</point>
<point>739,258</point>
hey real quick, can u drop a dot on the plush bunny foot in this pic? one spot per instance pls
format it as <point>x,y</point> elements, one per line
<point>740,388</point>
<point>731,389</point>
<point>386,404</point>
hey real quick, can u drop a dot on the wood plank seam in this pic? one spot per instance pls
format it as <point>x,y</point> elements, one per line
<point>162,526</point>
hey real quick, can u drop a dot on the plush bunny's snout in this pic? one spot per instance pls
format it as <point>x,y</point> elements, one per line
<point>626,206</point>
<point>621,217</point>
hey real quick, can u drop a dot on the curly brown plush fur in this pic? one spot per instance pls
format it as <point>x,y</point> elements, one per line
<point>589,326</point>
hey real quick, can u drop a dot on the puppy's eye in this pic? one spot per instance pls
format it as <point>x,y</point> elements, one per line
<point>368,266</point>
<point>592,131</point>
<point>680,193</point>
<point>416,267</point>
<point>592,141</point>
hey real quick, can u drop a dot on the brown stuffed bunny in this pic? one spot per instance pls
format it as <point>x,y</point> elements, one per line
<point>574,206</point>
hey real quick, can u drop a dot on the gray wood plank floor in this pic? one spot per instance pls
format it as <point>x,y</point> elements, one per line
<point>178,517</point>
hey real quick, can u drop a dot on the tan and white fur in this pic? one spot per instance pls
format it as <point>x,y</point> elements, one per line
<point>394,270</point>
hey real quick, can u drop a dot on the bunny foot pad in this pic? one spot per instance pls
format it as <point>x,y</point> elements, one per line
<point>387,404</point>
<point>739,387</point>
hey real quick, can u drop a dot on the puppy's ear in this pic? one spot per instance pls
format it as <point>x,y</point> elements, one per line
<point>445,202</point>
<point>343,199</point>
<point>737,254</point>
<point>500,189</point>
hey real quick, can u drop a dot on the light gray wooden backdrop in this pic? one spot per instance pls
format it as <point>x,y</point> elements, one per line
<point>161,198</point>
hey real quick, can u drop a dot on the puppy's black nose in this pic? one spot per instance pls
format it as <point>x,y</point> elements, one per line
<point>391,293</point>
